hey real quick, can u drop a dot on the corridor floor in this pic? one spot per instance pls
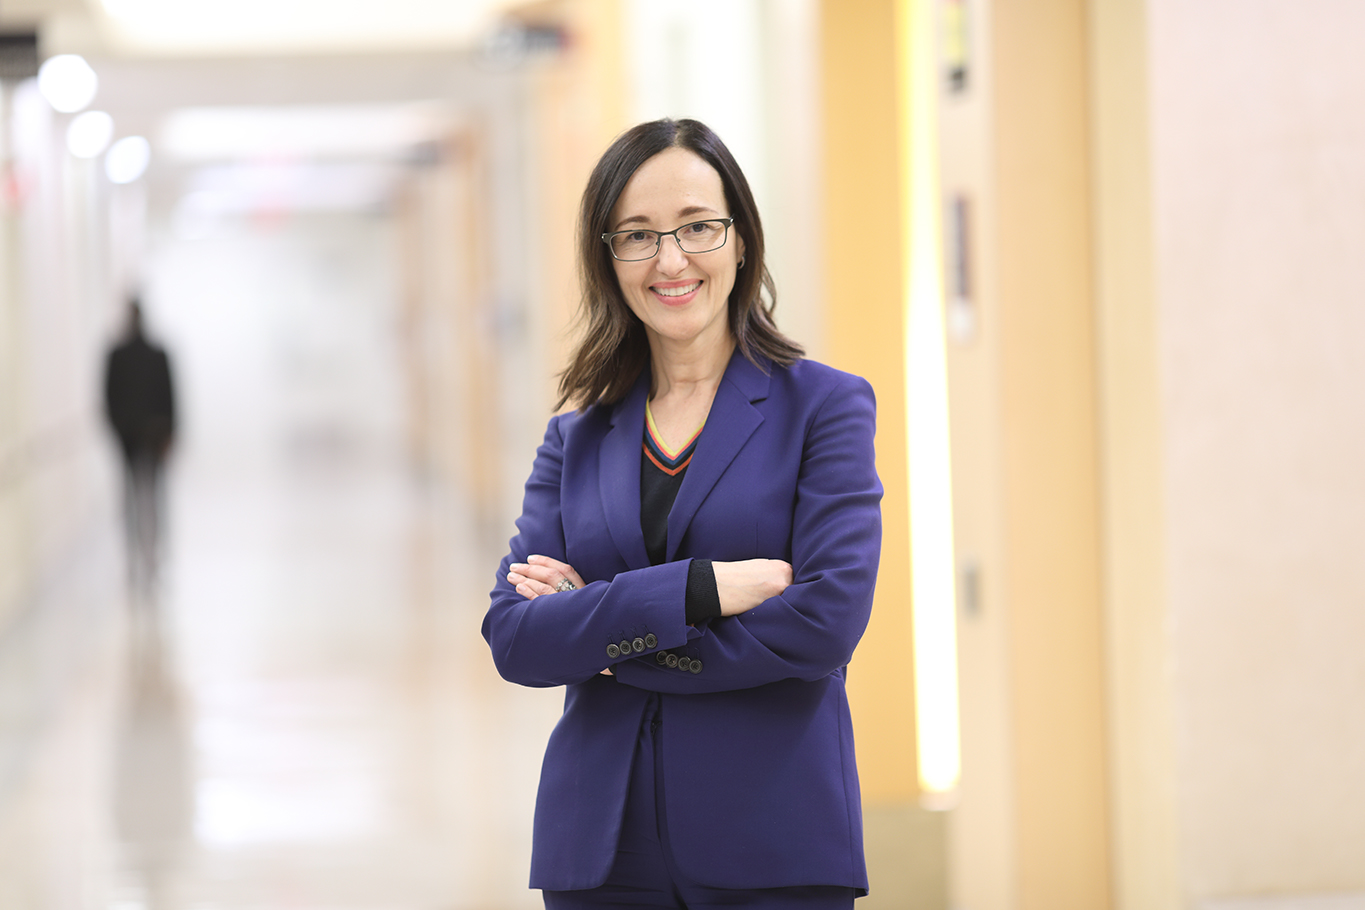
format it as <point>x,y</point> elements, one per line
<point>303,714</point>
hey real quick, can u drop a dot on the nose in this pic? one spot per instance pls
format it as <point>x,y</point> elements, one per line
<point>671,258</point>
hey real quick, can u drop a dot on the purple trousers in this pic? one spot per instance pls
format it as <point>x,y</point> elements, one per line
<point>644,874</point>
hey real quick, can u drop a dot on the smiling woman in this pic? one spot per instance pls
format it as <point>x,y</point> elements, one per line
<point>711,508</point>
<point>679,295</point>
<point>695,173</point>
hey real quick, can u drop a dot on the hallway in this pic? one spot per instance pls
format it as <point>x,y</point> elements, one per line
<point>305,715</point>
<point>1096,260</point>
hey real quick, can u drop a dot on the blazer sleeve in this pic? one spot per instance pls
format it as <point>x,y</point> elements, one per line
<point>563,638</point>
<point>811,629</point>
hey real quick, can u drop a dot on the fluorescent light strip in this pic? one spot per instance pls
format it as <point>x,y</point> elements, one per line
<point>926,381</point>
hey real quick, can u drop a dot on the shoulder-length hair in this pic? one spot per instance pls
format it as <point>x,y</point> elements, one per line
<point>614,348</point>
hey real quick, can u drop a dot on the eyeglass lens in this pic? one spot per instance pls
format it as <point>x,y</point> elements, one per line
<point>698,237</point>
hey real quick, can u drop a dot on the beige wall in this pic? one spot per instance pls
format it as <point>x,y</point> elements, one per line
<point>1139,697</point>
<point>1032,828</point>
<point>982,841</point>
<point>1259,177</point>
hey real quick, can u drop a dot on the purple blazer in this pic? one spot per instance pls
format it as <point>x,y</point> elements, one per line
<point>762,789</point>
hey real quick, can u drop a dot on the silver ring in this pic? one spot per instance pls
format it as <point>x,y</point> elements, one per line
<point>565,585</point>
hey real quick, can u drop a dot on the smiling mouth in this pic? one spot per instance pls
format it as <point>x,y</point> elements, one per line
<point>678,291</point>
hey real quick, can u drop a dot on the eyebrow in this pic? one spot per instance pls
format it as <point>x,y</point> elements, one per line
<point>682,213</point>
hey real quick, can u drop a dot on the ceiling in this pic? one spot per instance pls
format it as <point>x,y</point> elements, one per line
<point>196,28</point>
<point>243,97</point>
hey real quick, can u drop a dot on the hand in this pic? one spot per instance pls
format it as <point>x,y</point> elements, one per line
<point>745,584</point>
<point>539,574</point>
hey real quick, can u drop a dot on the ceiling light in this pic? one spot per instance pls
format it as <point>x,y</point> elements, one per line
<point>127,159</point>
<point>67,82</point>
<point>255,27</point>
<point>291,133</point>
<point>89,134</point>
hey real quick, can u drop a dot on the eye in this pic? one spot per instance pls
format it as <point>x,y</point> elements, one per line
<point>700,227</point>
<point>638,237</point>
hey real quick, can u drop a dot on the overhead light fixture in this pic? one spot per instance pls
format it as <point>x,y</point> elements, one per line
<point>300,132</point>
<point>67,83</point>
<point>256,27</point>
<point>88,134</point>
<point>127,159</point>
<point>121,9</point>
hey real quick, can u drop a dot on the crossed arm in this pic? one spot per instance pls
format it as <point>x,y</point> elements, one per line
<point>814,608</point>
<point>742,585</point>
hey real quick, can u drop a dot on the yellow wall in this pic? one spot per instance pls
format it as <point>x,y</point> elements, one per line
<point>1031,829</point>
<point>864,316</point>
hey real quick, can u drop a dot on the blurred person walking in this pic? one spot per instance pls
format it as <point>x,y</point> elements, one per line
<point>139,401</point>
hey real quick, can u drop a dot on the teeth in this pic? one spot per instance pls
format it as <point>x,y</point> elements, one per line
<point>678,292</point>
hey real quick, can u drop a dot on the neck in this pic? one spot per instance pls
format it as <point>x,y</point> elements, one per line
<point>690,369</point>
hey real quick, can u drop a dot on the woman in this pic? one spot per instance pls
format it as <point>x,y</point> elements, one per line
<point>694,562</point>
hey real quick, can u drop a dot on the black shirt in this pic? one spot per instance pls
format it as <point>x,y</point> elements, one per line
<point>661,476</point>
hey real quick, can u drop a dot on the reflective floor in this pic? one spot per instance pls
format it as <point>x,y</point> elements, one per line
<point>301,713</point>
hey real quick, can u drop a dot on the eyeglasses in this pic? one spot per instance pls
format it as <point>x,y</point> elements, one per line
<point>697,237</point>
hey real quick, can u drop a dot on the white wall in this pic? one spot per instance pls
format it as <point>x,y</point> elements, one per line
<point>748,69</point>
<point>1259,174</point>
<point>58,305</point>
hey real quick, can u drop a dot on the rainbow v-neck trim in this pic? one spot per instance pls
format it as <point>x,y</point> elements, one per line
<point>671,463</point>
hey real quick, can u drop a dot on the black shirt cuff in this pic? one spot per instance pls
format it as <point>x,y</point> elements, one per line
<point>703,599</point>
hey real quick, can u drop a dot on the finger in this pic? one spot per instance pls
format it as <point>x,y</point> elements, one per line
<point>533,589</point>
<point>520,572</point>
<point>517,573</point>
<point>557,569</point>
<point>550,571</point>
<point>516,579</point>
<point>538,571</point>
<point>552,564</point>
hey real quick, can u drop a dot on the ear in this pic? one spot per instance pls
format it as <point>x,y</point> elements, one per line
<point>739,245</point>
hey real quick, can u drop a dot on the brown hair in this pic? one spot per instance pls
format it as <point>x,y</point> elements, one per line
<point>614,348</point>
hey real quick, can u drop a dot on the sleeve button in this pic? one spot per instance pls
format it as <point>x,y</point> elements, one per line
<point>625,646</point>
<point>639,645</point>
<point>661,657</point>
<point>651,640</point>
<point>684,664</point>
<point>696,666</point>
<point>613,651</point>
<point>672,661</point>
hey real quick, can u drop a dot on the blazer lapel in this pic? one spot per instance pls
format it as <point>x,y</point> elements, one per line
<point>619,473</point>
<point>733,419</point>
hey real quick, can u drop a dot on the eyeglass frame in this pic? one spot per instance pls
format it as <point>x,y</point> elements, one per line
<point>728,221</point>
